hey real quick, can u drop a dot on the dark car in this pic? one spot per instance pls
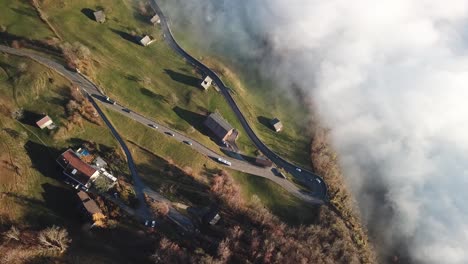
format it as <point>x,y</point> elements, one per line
<point>188,142</point>
<point>126,110</point>
<point>169,133</point>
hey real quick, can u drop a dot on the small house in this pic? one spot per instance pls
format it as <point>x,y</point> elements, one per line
<point>44,122</point>
<point>99,16</point>
<point>155,20</point>
<point>276,124</point>
<point>206,83</point>
<point>146,40</point>
<point>220,127</point>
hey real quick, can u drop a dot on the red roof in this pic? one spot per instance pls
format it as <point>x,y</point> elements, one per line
<point>74,161</point>
<point>43,121</point>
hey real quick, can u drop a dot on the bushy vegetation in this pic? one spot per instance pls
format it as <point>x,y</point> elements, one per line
<point>249,233</point>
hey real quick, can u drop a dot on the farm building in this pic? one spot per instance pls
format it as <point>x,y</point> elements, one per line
<point>146,40</point>
<point>99,16</point>
<point>206,83</point>
<point>76,169</point>
<point>44,122</point>
<point>276,124</point>
<point>220,127</point>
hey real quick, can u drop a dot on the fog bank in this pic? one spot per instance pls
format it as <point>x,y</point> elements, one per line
<point>388,78</point>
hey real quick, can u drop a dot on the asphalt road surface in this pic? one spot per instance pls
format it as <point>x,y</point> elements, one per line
<point>315,183</point>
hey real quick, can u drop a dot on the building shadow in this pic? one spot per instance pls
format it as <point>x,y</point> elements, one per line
<point>61,200</point>
<point>152,94</point>
<point>142,18</point>
<point>238,156</point>
<point>264,121</point>
<point>43,159</point>
<point>125,35</point>
<point>194,119</point>
<point>88,13</point>
<point>30,118</point>
<point>183,78</point>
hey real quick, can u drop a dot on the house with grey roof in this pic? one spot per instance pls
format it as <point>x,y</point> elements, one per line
<point>99,16</point>
<point>206,83</point>
<point>220,127</point>
<point>276,124</point>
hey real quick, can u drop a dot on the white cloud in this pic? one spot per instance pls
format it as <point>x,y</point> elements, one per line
<point>390,78</point>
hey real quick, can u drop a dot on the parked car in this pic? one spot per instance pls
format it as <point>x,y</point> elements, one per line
<point>169,133</point>
<point>318,180</point>
<point>146,222</point>
<point>188,142</point>
<point>153,224</point>
<point>153,125</point>
<point>298,169</point>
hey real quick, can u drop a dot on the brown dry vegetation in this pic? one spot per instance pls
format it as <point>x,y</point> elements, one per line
<point>29,245</point>
<point>251,234</point>
<point>325,163</point>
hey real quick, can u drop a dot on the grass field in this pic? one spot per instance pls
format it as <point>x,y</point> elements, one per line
<point>153,80</point>
<point>31,195</point>
<point>20,18</point>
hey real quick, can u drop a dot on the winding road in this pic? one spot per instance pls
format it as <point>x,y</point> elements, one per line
<point>315,183</point>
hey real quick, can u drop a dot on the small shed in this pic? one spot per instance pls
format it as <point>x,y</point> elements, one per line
<point>155,20</point>
<point>146,40</point>
<point>212,217</point>
<point>276,124</point>
<point>206,83</point>
<point>99,16</point>
<point>44,122</point>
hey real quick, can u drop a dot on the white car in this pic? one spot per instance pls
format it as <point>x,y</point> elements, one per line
<point>146,222</point>
<point>318,180</point>
<point>298,169</point>
<point>153,224</point>
<point>224,161</point>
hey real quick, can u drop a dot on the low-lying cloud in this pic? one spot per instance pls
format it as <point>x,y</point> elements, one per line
<point>390,80</point>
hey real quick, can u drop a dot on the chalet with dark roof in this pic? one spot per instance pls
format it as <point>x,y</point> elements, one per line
<point>220,127</point>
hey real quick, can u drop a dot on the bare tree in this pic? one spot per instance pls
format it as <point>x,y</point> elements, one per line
<point>55,238</point>
<point>13,233</point>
